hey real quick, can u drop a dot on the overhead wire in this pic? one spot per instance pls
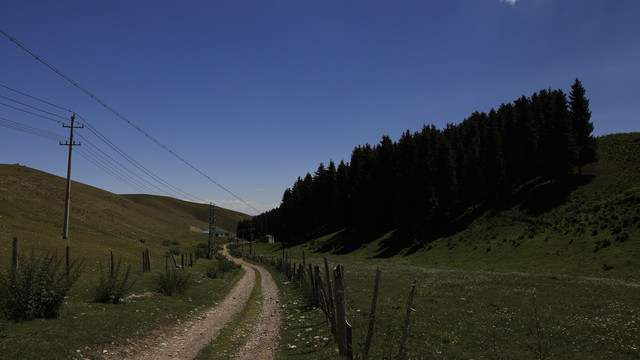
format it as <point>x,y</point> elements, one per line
<point>109,162</point>
<point>135,163</point>
<point>32,113</point>
<point>89,157</point>
<point>35,98</point>
<point>33,107</point>
<point>116,113</point>
<point>4,122</point>
<point>99,158</point>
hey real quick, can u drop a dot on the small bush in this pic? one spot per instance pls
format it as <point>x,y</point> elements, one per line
<point>221,265</point>
<point>601,244</point>
<point>174,249</point>
<point>172,281</point>
<point>38,288</point>
<point>622,237</point>
<point>113,286</point>
<point>201,250</point>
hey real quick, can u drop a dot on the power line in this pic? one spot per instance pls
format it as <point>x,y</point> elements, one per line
<point>52,136</point>
<point>175,191</point>
<point>30,129</point>
<point>109,162</point>
<point>32,113</point>
<point>33,107</point>
<point>140,167</point>
<point>87,156</point>
<point>112,110</point>
<point>35,98</point>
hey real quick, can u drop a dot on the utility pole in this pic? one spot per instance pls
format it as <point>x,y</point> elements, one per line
<point>71,144</point>
<point>251,240</point>
<point>212,231</point>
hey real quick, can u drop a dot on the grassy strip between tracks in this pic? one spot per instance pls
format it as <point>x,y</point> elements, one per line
<point>237,333</point>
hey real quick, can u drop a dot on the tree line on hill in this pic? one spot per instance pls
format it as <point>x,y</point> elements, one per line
<point>432,176</point>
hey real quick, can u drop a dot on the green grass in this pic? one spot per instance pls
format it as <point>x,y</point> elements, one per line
<point>575,248</point>
<point>304,332</point>
<point>590,227</point>
<point>474,314</point>
<point>31,208</point>
<point>237,333</point>
<point>76,328</point>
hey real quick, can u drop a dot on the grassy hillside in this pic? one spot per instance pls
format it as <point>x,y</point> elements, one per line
<point>587,226</point>
<point>32,205</point>
<point>31,208</point>
<point>552,274</point>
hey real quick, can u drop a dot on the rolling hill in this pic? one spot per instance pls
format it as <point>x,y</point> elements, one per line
<point>32,208</point>
<point>588,225</point>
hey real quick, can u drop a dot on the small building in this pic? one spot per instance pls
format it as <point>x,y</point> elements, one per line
<point>267,239</point>
<point>217,232</point>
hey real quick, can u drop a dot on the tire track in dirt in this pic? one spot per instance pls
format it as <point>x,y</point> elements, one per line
<point>185,341</point>
<point>265,338</point>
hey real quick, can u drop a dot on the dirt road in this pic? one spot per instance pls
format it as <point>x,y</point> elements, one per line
<point>186,341</point>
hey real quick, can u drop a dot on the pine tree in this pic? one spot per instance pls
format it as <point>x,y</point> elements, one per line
<point>582,126</point>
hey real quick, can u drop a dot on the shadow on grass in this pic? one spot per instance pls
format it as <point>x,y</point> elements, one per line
<point>542,198</point>
<point>351,239</point>
<point>535,197</point>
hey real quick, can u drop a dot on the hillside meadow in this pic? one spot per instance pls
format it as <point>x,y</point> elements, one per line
<point>101,223</point>
<point>551,274</point>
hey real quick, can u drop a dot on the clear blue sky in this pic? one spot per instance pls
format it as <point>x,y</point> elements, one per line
<point>257,93</point>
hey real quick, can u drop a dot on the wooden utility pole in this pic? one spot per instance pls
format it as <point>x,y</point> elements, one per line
<point>71,144</point>
<point>14,259</point>
<point>212,231</point>
<point>251,240</point>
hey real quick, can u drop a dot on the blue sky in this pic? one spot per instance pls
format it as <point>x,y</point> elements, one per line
<point>257,93</point>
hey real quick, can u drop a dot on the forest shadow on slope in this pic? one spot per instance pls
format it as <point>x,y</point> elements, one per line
<point>535,198</point>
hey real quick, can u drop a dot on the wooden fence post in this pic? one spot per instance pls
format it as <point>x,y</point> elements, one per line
<point>144,262</point>
<point>290,267</point>
<point>300,275</point>
<point>372,316</point>
<point>406,321</point>
<point>111,266</point>
<point>148,260</point>
<point>293,274</point>
<point>324,304</point>
<point>14,258</point>
<point>332,303</point>
<point>343,327</point>
<point>67,262</point>
<point>312,283</point>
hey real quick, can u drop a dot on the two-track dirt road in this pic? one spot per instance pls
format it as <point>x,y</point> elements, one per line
<point>186,340</point>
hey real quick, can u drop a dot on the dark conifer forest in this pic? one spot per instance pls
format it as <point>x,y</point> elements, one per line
<point>431,178</point>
